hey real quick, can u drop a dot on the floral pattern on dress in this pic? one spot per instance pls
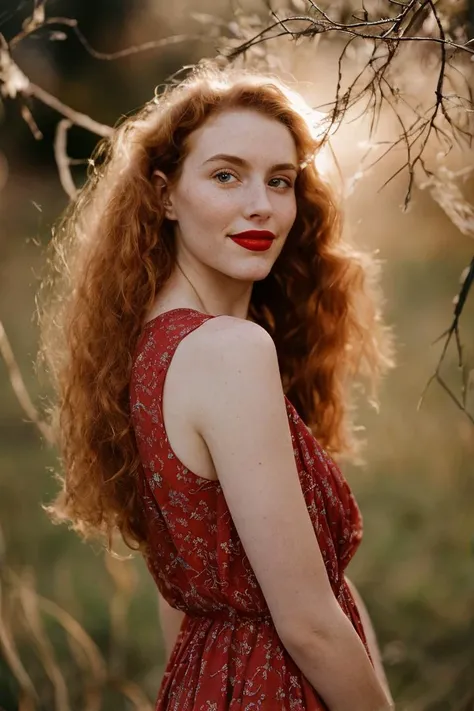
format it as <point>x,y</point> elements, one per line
<point>228,655</point>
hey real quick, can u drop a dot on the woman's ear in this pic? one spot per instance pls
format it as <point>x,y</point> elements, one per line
<point>161,184</point>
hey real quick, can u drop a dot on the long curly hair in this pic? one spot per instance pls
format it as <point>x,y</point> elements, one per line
<point>113,250</point>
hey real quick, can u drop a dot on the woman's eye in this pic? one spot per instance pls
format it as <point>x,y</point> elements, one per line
<point>286,182</point>
<point>223,173</point>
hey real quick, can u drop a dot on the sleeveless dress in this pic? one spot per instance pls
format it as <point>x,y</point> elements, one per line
<point>228,655</point>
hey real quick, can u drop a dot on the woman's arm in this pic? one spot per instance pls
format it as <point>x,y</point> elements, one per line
<point>371,638</point>
<point>170,621</point>
<point>237,405</point>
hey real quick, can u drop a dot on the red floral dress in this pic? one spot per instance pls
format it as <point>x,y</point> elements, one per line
<point>228,656</point>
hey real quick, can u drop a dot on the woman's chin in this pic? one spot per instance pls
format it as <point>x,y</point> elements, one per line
<point>254,272</point>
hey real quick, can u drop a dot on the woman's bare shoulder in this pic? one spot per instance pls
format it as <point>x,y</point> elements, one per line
<point>225,337</point>
<point>230,325</point>
<point>223,349</point>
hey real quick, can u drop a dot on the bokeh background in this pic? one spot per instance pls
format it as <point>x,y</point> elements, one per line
<point>81,627</point>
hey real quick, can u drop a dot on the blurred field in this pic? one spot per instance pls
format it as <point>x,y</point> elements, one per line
<point>85,631</point>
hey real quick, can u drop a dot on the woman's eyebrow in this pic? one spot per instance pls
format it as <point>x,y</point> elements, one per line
<point>245,164</point>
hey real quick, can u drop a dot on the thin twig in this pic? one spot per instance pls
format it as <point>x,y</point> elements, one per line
<point>62,159</point>
<point>453,330</point>
<point>108,56</point>
<point>317,27</point>
<point>30,122</point>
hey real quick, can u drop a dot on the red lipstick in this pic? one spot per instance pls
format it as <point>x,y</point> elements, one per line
<point>255,240</point>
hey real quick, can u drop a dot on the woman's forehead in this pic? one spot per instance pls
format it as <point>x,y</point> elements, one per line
<point>244,133</point>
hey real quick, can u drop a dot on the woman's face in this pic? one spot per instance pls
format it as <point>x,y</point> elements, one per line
<point>239,175</point>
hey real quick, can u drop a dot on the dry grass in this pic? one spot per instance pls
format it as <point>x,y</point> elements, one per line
<point>23,629</point>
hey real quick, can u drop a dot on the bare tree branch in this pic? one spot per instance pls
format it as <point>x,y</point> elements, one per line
<point>30,122</point>
<point>460,300</point>
<point>76,117</point>
<point>386,33</point>
<point>72,24</point>
<point>62,159</point>
<point>315,28</point>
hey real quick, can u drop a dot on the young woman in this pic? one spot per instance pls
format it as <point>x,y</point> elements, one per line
<point>203,333</point>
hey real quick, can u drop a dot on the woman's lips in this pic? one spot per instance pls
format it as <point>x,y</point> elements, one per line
<point>255,240</point>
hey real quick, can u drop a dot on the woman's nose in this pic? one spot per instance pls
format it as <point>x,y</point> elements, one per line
<point>257,200</point>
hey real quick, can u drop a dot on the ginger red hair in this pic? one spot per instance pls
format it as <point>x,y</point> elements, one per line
<point>112,252</point>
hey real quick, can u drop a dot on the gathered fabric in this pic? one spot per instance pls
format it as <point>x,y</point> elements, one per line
<point>228,655</point>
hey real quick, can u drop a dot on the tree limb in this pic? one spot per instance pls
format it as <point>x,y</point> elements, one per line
<point>453,330</point>
<point>62,159</point>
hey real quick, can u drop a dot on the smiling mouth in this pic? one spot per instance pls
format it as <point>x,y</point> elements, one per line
<point>254,234</point>
<point>254,244</point>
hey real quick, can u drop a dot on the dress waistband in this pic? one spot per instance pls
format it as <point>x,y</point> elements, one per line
<point>230,614</point>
